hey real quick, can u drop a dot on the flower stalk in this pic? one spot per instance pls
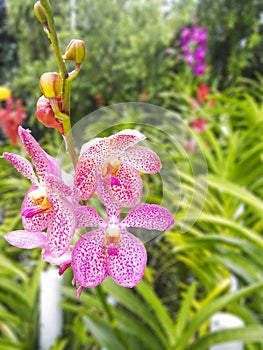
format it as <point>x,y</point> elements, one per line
<point>50,29</point>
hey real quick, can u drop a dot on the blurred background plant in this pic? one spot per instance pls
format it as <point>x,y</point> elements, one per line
<point>188,278</point>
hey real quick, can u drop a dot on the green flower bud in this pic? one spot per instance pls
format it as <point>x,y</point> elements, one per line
<point>51,85</point>
<point>40,12</point>
<point>75,51</point>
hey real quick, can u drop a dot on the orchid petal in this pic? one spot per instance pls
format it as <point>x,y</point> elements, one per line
<point>53,183</point>
<point>61,260</point>
<point>125,139</point>
<point>26,239</point>
<point>62,226</point>
<point>149,216</point>
<point>97,148</point>
<point>37,222</point>
<point>43,163</point>
<point>128,191</point>
<point>86,216</point>
<point>22,165</point>
<point>89,259</point>
<point>128,266</point>
<point>85,177</point>
<point>113,209</point>
<point>142,159</point>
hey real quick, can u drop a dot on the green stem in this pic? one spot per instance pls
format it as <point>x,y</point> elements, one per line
<point>50,29</point>
<point>110,316</point>
<point>54,39</point>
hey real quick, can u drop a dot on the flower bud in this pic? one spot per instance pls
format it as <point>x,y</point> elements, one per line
<point>46,116</point>
<point>75,51</point>
<point>40,12</point>
<point>5,93</point>
<point>51,85</point>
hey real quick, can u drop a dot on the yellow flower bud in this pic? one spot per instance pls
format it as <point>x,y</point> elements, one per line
<point>40,12</point>
<point>51,85</point>
<point>75,51</point>
<point>5,93</point>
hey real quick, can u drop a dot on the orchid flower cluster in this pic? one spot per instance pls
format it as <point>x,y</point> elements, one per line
<point>193,41</point>
<point>55,215</point>
<point>53,210</point>
<point>12,114</point>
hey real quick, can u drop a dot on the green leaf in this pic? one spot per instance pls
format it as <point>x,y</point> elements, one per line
<point>133,303</point>
<point>183,315</point>
<point>203,314</point>
<point>103,333</point>
<point>158,308</point>
<point>238,192</point>
<point>248,334</point>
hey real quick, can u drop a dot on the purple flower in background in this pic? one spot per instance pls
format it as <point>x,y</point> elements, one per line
<point>193,42</point>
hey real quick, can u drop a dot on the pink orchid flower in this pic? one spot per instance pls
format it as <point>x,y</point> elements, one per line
<point>28,240</point>
<point>48,204</point>
<point>111,250</point>
<point>117,161</point>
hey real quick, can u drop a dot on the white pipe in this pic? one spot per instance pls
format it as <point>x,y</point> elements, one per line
<point>50,311</point>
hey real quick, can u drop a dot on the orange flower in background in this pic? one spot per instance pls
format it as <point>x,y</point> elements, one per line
<point>199,123</point>
<point>202,92</point>
<point>11,116</point>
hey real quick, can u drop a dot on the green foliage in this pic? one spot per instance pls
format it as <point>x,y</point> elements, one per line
<point>235,29</point>
<point>188,275</point>
<point>140,319</point>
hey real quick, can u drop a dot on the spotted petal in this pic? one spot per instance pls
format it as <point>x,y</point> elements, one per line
<point>43,163</point>
<point>97,148</point>
<point>62,226</point>
<point>26,239</point>
<point>22,165</point>
<point>85,177</point>
<point>37,222</point>
<point>86,216</point>
<point>125,190</point>
<point>89,259</point>
<point>125,139</point>
<point>142,159</point>
<point>128,266</point>
<point>149,216</point>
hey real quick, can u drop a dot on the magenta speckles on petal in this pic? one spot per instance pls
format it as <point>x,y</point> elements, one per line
<point>89,259</point>
<point>88,217</point>
<point>128,191</point>
<point>149,216</point>
<point>61,227</point>
<point>142,159</point>
<point>43,163</point>
<point>125,139</point>
<point>22,165</point>
<point>128,266</point>
<point>85,177</point>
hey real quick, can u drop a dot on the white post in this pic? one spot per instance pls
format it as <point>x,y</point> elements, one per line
<point>50,311</point>
<point>224,320</point>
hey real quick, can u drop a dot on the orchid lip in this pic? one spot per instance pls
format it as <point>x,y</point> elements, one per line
<point>30,212</point>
